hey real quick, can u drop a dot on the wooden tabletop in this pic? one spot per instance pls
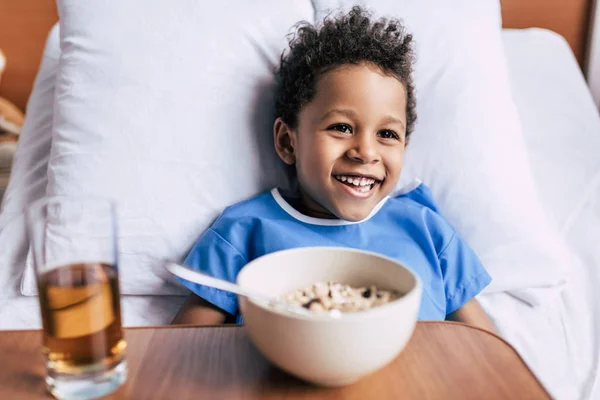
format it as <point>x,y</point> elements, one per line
<point>442,361</point>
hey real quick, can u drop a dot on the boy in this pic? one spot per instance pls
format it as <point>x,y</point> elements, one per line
<point>345,111</point>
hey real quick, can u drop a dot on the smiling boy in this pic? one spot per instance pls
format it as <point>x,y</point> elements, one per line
<point>345,110</point>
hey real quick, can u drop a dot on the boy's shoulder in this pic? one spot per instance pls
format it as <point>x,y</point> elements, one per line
<point>256,206</point>
<point>240,218</point>
<point>415,203</point>
<point>416,194</point>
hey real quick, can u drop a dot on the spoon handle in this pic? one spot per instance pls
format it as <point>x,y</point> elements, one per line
<point>207,280</point>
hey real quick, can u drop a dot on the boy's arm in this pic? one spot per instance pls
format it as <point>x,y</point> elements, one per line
<point>197,311</point>
<point>471,314</point>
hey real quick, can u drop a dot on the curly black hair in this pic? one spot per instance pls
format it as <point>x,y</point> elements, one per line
<point>351,38</point>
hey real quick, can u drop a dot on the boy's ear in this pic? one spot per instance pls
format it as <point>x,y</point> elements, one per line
<point>285,142</point>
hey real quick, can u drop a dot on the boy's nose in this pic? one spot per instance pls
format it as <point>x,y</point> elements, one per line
<point>364,150</point>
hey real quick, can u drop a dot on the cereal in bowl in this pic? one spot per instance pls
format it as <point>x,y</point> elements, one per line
<point>327,296</point>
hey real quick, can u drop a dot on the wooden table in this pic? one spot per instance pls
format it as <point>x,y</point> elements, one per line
<point>442,361</point>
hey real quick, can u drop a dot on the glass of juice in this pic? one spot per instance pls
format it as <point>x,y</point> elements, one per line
<point>74,246</point>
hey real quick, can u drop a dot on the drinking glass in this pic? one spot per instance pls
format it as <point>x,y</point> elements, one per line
<point>74,247</point>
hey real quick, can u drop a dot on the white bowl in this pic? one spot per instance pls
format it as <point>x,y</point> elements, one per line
<point>330,352</point>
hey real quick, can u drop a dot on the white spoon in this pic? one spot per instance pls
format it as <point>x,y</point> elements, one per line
<point>207,280</point>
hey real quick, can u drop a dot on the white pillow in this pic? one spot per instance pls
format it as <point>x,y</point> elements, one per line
<point>167,108</point>
<point>468,144</point>
<point>28,176</point>
<point>563,149</point>
<point>562,127</point>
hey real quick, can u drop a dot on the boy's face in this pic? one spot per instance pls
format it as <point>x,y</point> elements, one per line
<point>348,147</point>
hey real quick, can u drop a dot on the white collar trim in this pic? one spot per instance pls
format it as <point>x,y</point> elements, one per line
<point>285,206</point>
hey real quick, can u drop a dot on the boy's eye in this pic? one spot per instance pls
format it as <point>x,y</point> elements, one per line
<point>388,134</point>
<point>343,128</point>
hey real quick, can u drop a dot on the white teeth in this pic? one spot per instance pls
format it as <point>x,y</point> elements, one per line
<point>361,182</point>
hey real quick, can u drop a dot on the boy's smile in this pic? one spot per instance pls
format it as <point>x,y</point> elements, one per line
<point>348,145</point>
<point>358,185</point>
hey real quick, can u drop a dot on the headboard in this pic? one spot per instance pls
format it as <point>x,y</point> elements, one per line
<point>570,18</point>
<point>24,25</point>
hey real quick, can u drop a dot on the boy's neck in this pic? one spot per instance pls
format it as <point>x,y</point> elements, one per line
<point>296,198</point>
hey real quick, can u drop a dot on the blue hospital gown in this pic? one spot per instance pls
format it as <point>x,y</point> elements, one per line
<point>406,227</point>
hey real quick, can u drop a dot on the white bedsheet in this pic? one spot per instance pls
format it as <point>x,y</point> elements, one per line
<point>560,340</point>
